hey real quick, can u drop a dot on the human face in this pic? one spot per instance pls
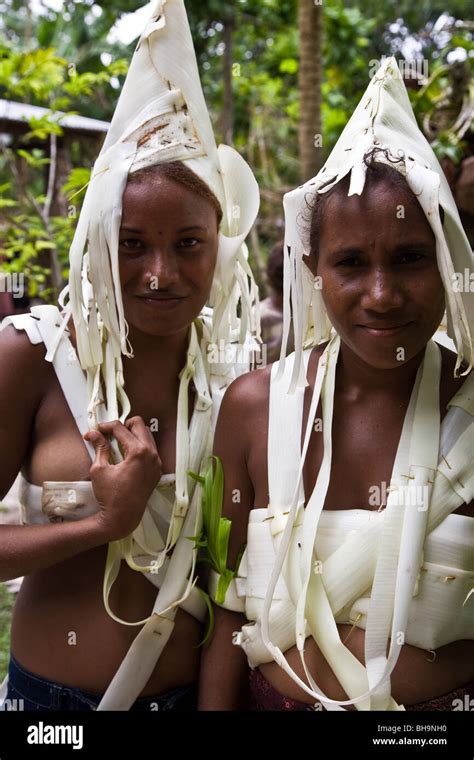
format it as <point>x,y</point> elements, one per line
<point>380,279</point>
<point>167,255</point>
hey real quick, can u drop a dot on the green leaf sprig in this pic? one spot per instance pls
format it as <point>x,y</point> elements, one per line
<point>214,538</point>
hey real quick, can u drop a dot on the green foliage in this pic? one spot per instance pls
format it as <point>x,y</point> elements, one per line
<point>25,239</point>
<point>265,57</point>
<point>347,52</point>
<point>30,74</point>
<point>446,146</point>
<point>445,103</point>
<point>28,234</point>
<point>77,181</point>
<point>33,241</point>
<point>34,159</point>
<point>266,52</point>
<point>56,60</point>
<point>214,538</point>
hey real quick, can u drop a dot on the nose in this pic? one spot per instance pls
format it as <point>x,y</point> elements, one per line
<point>163,265</point>
<point>382,292</point>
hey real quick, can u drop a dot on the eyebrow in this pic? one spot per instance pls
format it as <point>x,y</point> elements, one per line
<point>346,251</point>
<point>353,250</point>
<point>426,247</point>
<point>193,227</point>
<point>181,229</point>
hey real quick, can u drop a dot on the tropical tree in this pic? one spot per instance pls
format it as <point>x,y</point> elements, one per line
<point>261,63</point>
<point>310,23</point>
<point>37,221</point>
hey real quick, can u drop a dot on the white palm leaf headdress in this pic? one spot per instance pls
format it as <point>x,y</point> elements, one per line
<point>161,116</point>
<point>383,120</point>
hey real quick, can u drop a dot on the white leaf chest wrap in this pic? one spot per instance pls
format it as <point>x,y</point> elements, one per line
<point>349,565</point>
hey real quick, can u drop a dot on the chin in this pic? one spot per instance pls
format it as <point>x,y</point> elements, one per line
<point>385,363</point>
<point>386,353</point>
<point>158,328</point>
<point>160,325</point>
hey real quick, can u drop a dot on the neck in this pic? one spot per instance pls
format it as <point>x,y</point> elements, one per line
<point>161,356</point>
<point>358,379</point>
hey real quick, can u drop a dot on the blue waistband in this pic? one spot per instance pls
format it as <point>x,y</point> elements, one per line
<point>27,691</point>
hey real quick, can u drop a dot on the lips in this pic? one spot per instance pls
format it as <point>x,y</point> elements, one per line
<point>385,330</point>
<point>161,300</point>
<point>161,296</point>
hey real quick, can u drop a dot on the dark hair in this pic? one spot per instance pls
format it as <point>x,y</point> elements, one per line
<point>376,172</point>
<point>177,172</point>
<point>275,267</point>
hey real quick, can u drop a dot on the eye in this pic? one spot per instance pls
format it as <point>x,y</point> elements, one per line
<point>350,262</point>
<point>411,257</point>
<point>132,245</point>
<point>189,242</point>
<point>416,255</point>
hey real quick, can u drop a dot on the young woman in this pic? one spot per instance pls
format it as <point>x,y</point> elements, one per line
<point>357,576</point>
<point>155,237</point>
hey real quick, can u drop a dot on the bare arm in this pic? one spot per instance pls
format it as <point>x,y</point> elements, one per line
<point>122,490</point>
<point>224,668</point>
<point>25,549</point>
<point>224,681</point>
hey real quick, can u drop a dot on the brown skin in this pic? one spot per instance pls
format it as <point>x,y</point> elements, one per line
<point>383,282</point>
<point>181,255</point>
<point>64,563</point>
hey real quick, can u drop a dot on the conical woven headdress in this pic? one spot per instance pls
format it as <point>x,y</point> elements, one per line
<point>383,120</point>
<point>161,116</point>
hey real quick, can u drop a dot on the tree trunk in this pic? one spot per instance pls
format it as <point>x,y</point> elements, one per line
<point>228,113</point>
<point>59,202</point>
<point>28,28</point>
<point>49,258</point>
<point>310,24</point>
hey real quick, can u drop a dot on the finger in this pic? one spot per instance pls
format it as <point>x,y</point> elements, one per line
<point>144,436</point>
<point>142,432</point>
<point>135,423</point>
<point>137,427</point>
<point>101,447</point>
<point>116,429</point>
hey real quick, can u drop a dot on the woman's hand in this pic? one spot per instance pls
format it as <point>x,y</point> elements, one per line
<point>122,490</point>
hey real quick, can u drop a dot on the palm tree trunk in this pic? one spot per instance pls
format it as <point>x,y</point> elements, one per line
<point>228,113</point>
<point>310,24</point>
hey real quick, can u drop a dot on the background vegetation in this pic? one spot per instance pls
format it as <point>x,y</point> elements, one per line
<point>257,88</point>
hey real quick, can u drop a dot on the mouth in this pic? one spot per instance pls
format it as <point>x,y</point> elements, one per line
<point>385,331</point>
<point>161,301</point>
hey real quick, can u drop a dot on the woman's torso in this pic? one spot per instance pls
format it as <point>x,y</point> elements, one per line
<point>365,437</point>
<point>60,628</point>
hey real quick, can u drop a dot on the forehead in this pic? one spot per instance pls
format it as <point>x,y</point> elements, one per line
<point>161,196</point>
<point>384,207</point>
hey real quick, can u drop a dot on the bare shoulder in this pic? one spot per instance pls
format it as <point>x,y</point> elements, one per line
<point>248,390</point>
<point>249,394</point>
<point>16,344</point>
<point>24,378</point>
<point>22,364</point>
<point>242,413</point>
